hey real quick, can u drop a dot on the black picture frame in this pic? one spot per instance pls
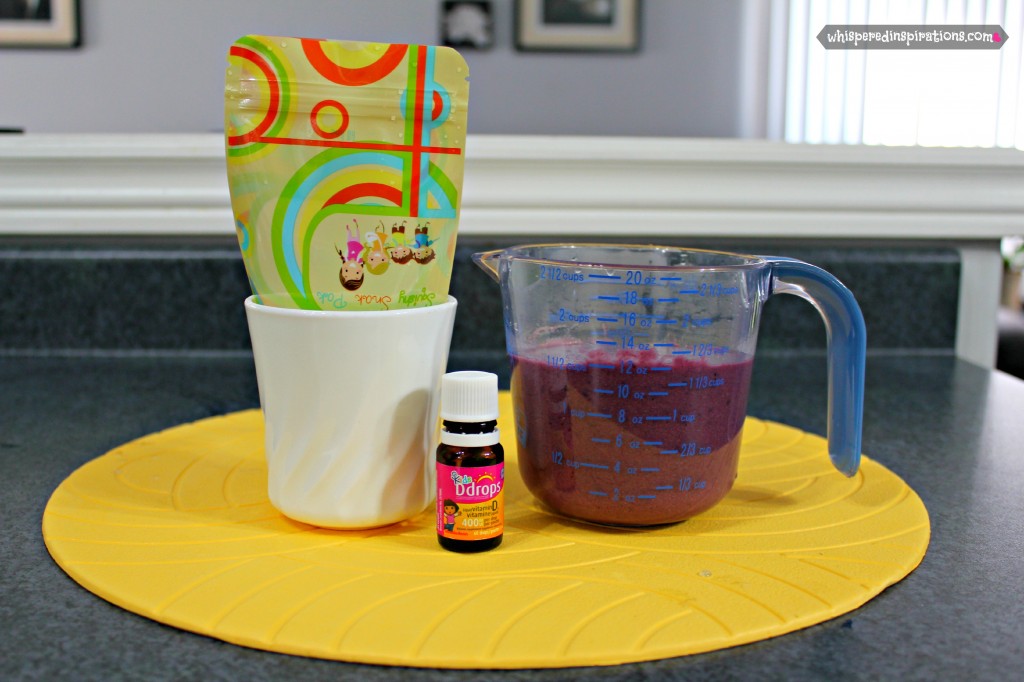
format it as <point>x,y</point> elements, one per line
<point>577,25</point>
<point>467,24</point>
<point>46,24</point>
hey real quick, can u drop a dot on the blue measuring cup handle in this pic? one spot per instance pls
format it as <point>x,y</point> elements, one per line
<point>847,346</point>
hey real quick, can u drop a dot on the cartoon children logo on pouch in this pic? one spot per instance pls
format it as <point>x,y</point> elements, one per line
<point>378,251</point>
<point>350,151</point>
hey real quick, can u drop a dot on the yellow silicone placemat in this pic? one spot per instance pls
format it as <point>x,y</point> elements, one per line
<point>176,526</point>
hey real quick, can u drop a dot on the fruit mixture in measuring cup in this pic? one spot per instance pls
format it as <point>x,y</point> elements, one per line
<point>630,438</point>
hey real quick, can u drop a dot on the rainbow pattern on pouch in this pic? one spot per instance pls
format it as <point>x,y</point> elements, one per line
<point>339,143</point>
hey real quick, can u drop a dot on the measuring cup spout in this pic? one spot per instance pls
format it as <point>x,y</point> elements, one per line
<point>488,262</point>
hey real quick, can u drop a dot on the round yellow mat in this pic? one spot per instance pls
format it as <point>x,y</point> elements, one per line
<point>176,526</point>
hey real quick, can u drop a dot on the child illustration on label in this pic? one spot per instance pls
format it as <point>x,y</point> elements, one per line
<point>451,510</point>
<point>351,274</point>
<point>398,245</point>
<point>376,251</point>
<point>422,251</point>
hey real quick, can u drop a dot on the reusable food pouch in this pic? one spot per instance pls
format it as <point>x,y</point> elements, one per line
<point>345,163</point>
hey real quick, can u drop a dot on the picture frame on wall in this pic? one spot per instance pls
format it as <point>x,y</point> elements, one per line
<point>467,24</point>
<point>40,23</point>
<point>577,25</point>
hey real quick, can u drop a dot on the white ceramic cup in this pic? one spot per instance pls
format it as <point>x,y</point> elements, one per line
<point>350,401</point>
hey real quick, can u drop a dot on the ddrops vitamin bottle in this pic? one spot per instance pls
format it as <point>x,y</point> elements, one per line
<point>470,464</point>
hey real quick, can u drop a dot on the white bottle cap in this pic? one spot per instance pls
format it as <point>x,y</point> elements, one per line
<point>469,397</point>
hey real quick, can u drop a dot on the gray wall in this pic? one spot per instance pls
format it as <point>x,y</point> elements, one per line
<point>158,66</point>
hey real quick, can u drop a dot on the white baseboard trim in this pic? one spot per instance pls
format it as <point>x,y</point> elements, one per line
<point>535,185</point>
<point>577,187</point>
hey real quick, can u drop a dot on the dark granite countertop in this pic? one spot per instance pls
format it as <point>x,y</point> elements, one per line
<point>952,430</point>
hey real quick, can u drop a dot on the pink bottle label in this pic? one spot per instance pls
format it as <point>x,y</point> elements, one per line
<point>470,501</point>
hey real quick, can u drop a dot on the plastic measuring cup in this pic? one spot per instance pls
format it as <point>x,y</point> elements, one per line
<point>631,367</point>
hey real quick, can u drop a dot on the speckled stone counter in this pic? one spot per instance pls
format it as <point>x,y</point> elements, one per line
<point>105,341</point>
<point>952,430</point>
<point>139,295</point>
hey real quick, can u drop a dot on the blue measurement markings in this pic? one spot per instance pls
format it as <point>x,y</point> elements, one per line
<point>568,315</point>
<point>624,498</point>
<point>688,450</point>
<point>561,460</point>
<point>627,338</point>
<point>698,382</point>
<point>590,465</point>
<point>582,414</point>
<point>629,278</point>
<point>703,350</point>
<point>709,290</point>
<point>686,418</point>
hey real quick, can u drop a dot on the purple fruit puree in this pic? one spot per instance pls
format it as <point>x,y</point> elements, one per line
<point>630,438</point>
